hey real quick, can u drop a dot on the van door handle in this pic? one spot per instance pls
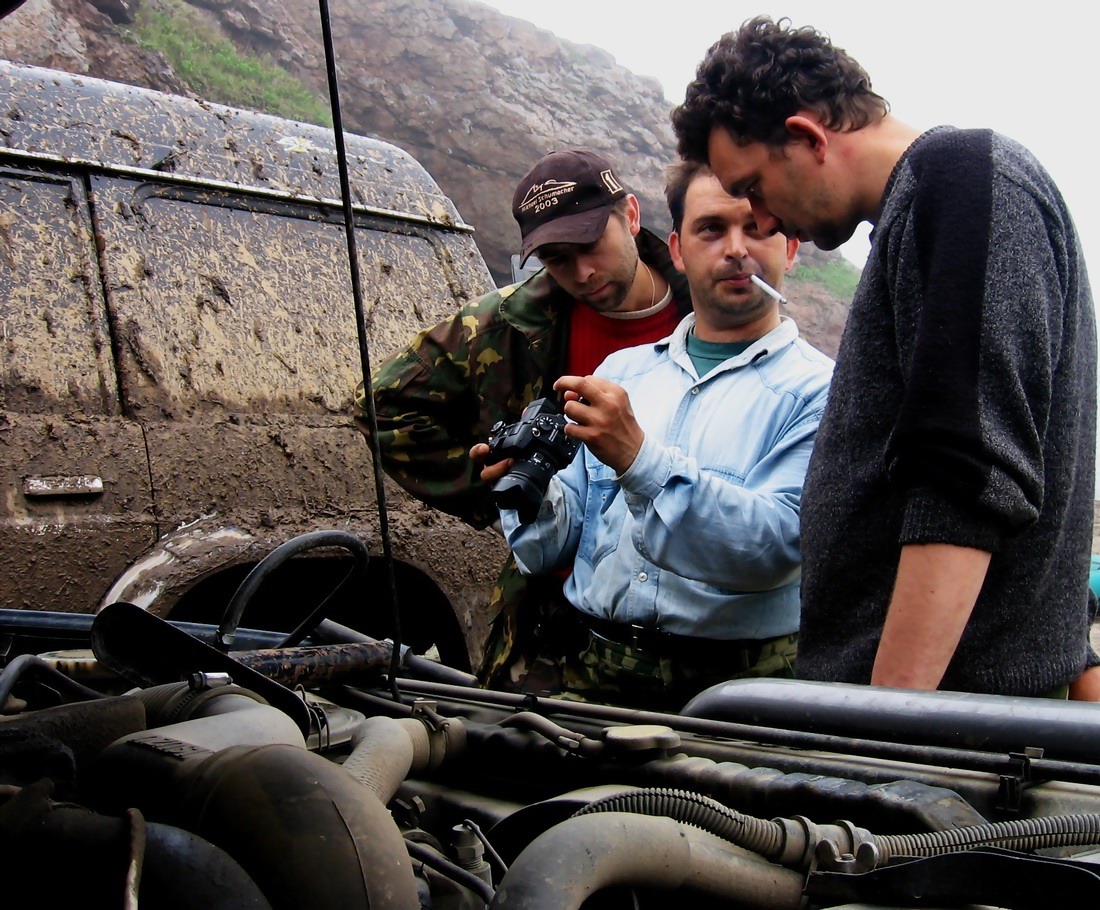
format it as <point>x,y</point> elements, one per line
<point>39,487</point>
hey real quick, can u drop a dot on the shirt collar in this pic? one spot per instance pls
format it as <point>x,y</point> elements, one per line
<point>778,338</point>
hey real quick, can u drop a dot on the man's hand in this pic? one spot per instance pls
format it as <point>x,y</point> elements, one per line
<point>604,420</point>
<point>934,594</point>
<point>491,473</point>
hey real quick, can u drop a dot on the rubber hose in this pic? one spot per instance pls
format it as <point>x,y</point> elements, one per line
<point>555,733</point>
<point>422,853</point>
<point>1023,834</point>
<point>754,834</point>
<point>767,839</point>
<point>48,842</point>
<point>265,805</point>
<point>30,664</point>
<point>243,595</point>
<point>382,755</point>
<point>571,861</point>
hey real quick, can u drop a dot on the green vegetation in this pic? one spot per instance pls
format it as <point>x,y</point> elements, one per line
<point>213,67</point>
<point>838,277</point>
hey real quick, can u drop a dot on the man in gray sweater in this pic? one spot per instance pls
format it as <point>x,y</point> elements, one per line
<point>947,513</point>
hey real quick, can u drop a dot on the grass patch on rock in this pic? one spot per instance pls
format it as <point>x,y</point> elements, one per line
<point>838,277</point>
<point>213,66</point>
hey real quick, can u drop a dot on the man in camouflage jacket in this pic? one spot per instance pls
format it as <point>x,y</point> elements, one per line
<point>442,394</point>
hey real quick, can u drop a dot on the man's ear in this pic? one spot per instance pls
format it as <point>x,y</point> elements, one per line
<point>808,129</point>
<point>674,251</point>
<point>792,250</point>
<point>633,214</point>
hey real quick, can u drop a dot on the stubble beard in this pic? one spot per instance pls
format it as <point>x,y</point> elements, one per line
<point>731,313</point>
<point>613,302</point>
<point>620,286</point>
<point>746,312</point>
<point>828,235</point>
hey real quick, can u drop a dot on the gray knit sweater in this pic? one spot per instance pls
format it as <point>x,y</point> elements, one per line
<point>962,411</point>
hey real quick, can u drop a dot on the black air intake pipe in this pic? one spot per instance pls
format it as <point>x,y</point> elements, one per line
<point>304,830</point>
<point>1065,730</point>
<point>116,860</point>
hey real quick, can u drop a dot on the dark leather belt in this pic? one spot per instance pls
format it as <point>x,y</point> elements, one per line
<point>740,653</point>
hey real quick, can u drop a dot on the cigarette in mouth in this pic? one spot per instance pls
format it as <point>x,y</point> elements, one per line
<point>767,288</point>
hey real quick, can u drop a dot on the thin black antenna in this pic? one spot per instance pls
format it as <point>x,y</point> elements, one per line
<point>361,328</point>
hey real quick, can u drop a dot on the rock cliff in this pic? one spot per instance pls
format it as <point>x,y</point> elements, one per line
<point>474,95</point>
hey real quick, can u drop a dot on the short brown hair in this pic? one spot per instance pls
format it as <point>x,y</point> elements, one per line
<point>678,179</point>
<point>619,207</point>
<point>752,80</point>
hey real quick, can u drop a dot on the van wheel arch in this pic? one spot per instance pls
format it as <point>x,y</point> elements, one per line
<point>173,583</point>
<point>427,619</point>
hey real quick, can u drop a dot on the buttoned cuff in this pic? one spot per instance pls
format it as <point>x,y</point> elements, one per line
<point>649,472</point>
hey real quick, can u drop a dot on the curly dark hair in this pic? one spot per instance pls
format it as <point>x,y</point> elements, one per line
<point>678,179</point>
<point>753,79</point>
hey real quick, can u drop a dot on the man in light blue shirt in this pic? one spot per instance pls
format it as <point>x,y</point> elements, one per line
<point>679,518</point>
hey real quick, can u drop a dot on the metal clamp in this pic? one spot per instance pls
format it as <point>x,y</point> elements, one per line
<point>1012,785</point>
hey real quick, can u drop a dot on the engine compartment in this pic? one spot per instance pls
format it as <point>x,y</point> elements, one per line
<point>167,772</point>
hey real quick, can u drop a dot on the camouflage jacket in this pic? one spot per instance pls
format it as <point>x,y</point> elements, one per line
<point>440,396</point>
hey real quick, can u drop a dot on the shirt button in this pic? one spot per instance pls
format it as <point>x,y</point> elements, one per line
<point>642,576</point>
<point>695,391</point>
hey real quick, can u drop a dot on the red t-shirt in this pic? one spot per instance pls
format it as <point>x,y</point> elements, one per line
<point>593,335</point>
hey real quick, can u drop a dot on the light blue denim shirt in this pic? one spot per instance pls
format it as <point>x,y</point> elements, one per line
<point>700,535</point>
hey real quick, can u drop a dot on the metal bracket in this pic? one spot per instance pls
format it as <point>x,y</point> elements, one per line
<point>827,857</point>
<point>425,709</point>
<point>1018,779</point>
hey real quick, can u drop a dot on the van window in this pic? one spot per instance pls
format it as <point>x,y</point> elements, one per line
<point>244,303</point>
<point>53,331</point>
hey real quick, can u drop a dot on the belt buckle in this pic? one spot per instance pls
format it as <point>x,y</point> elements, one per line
<point>634,636</point>
<point>625,635</point>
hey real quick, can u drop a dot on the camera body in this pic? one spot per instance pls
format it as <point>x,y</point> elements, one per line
<point>539,447</point>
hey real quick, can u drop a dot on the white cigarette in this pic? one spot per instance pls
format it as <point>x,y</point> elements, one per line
<point>767,288</point>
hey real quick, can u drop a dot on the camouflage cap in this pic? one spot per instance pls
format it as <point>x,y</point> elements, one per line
<point>565,198</point>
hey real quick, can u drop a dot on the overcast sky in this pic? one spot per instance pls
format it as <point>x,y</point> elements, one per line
<point>1028,70</point>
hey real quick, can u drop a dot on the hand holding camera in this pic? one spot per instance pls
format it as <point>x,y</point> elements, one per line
<point>602,419</point>
<point>523,456</point>
<point>537,447</point>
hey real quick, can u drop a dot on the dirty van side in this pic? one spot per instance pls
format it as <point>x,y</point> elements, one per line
<point>179,351</point>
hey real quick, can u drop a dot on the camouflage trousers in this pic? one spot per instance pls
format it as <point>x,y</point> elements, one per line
<point>616,673</point>
<point>525,616</point>
<point>539,645</point>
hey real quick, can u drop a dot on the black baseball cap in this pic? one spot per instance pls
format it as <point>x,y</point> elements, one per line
<point>565,198</point>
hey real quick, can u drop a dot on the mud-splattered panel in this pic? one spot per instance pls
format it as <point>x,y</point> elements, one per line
<point>229,304</point>
<point>54,348</point>
<point>260,473</point>
<point>279,476</point>
<point>57,114</point>
<point>76,508</point>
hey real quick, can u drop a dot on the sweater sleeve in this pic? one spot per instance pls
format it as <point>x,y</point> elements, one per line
<point>978,304</point>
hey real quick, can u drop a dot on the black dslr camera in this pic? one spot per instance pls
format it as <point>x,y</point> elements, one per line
<point>540,448</point>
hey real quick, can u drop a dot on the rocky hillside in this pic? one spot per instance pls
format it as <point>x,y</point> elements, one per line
<point>474,95</point>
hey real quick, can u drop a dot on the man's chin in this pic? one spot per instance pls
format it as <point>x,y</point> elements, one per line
<point>827,238</point>
<point>605,303</point>
<point>742,310</point>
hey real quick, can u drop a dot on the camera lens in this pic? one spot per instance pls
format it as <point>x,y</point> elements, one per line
<point>524,486</point>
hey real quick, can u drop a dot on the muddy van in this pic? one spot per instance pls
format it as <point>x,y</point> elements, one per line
<point>179,351</point>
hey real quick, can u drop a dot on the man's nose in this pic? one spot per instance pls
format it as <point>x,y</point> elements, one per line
<point>766,222</point>
<point>735,244</point>
<point>583,270</point>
